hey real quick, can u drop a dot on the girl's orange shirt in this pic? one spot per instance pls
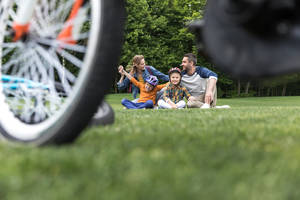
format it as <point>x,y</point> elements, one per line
<point>144,95</point>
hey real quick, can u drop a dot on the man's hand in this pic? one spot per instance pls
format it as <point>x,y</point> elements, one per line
<point>208,97</point>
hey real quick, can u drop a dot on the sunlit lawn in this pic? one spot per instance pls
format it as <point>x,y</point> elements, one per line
<point>251,151</point>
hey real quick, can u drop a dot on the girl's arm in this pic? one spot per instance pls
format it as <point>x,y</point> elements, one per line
<point>129,76</point>
<point>161,86</point>
<point>123,82</point>
<point>171,103</point>
<point>132,79</point>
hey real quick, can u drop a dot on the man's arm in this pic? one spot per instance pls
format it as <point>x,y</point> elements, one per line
<point>206,73</point>
<point>211,85</point>
<point>159,74</point>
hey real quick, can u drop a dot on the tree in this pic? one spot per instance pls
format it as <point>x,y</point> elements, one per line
<point>157,30</point>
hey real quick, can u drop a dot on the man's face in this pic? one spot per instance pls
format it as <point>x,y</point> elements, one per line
<point>186,65</point>
<point>148,87</point>
<point>175,78</point>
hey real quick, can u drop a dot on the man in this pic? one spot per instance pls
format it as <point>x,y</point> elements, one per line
<point>200,82</point>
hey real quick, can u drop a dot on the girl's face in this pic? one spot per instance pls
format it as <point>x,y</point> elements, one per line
<point>175,78</point>
<point>148,87</point>
<point>141,65</point>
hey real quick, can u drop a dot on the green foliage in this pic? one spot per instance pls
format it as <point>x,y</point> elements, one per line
<point>157,30</point>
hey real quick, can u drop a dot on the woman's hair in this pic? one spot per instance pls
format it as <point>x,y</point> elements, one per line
<point>136,60</point>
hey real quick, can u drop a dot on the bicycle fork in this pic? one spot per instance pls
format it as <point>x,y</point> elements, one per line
<point>24,14</point>
<point>68,34</point>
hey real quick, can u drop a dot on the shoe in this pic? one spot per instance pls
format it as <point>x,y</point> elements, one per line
<point>205,106</point>
<point>155,107</point>
<point>224,106</point>
<point>104,115</point>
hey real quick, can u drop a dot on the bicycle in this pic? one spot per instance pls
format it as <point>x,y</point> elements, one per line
<point>76,43</point>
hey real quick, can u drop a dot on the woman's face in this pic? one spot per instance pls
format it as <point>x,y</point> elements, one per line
<point>141,65</point>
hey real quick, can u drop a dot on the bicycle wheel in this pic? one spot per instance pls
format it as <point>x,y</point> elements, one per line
<point>84,67</point>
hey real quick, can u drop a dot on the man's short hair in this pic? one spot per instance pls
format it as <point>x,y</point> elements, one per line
<point>191,58</point>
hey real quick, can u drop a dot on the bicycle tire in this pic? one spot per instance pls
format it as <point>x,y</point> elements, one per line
<point>88,90</point>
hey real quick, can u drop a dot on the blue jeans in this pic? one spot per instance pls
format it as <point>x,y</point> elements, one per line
<point>131,105</point>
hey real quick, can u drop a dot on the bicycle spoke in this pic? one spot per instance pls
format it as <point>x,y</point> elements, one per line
<point>68,75</point>
<point>42,20</point>
<point>16,58</point>
<point>60,69</point>
<point>45,9</point>
<point>63,8</point>
<point>11,45</point>
<point>52,5</point>
<point>57,44</point>
<point>12,14</point>
<point>75,61</point>
<point>43,71</point>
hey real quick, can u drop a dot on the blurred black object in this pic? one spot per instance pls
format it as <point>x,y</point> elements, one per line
<point>251,38</point>
<point>104,116</point>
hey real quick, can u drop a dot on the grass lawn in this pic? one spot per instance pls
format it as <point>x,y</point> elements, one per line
<point>251,151</point>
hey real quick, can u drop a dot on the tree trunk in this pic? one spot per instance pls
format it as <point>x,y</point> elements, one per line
<point>247,87</point>
<point>259,90</point>
<point>239,87</point>
<point>115,86</point>
<point>284,90</point>
<point>268,92</point>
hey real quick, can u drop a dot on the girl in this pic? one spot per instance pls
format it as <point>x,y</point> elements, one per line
<point>174,93</point>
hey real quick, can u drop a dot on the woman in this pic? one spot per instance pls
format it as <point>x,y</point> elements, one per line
<point>140,72</point>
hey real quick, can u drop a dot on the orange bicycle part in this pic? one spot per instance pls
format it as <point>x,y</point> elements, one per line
<point>66,34</point>
<point>20,30</point>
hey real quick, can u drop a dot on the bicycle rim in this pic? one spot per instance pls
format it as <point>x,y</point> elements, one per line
<point>32,109</point>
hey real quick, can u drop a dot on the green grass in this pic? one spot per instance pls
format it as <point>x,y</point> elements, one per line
<point>250,151</point>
